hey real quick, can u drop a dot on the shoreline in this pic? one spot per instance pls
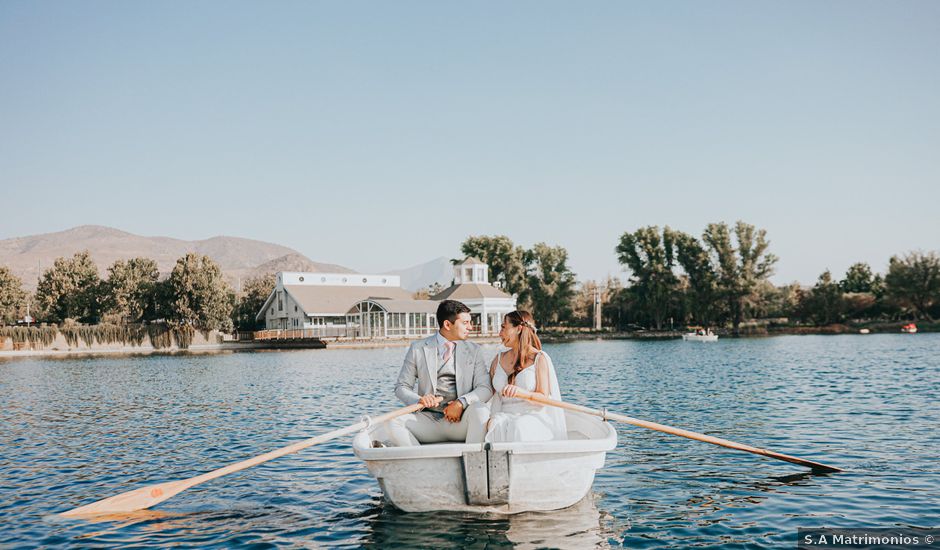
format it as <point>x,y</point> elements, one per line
<point>746,332</point>
<point>549,338</point>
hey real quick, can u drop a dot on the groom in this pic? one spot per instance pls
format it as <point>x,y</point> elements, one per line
<point>453,384</point>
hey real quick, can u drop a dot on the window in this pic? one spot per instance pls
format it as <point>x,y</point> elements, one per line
<point>295,309</point>
<point>280,302</point>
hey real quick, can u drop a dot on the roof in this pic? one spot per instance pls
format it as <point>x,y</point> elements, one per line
<point>337,300</point>
<point>471,260</point>
<point>407,306</point>
<point>469,291</point>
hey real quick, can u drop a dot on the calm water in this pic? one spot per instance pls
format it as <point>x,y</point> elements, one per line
<point>76,430</point>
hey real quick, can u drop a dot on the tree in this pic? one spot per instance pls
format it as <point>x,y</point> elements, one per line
<point>550,282</point>
<point>862,289</point>
<point>914,282</point>
<point>704,297</point>
<point>254,294</point>
<point>506,262</point>
<point>70,289</point>
<point>740,269</point>
<point>824,303</point>
<point>650,259</point>
<point>12,296</point>
<point>199,296</point>
<point>782,301</point>
<point>858,278</point>
<point>130,291</point>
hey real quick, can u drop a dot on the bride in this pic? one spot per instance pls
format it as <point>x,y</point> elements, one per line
<point>523,368</point>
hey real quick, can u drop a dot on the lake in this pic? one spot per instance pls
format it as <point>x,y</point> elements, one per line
<point>75,430</point>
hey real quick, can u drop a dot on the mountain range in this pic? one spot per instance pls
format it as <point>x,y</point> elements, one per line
<point>27,257</point>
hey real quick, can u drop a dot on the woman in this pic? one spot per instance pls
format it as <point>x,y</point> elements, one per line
<point>523,369</point>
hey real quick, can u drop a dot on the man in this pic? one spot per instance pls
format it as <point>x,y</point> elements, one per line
<point>453,384</point>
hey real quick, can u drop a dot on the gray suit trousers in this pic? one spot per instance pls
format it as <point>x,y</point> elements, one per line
<point>429,427</point>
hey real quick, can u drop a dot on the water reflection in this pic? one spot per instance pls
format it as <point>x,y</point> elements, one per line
<point>575,527</point>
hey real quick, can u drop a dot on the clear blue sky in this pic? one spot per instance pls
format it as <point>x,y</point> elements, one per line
<point>379,135</point>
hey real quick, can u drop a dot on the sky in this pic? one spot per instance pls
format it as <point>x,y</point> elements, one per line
<point>379,135</point>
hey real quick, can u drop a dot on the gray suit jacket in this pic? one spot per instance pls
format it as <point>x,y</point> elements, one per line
<point>421,363</point>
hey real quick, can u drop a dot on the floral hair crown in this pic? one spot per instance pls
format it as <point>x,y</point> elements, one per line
<point>525,323</point>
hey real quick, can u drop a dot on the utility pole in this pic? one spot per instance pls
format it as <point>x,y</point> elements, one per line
<point>597,307</point>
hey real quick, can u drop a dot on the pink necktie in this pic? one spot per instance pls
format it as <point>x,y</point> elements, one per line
<point>449,350</point>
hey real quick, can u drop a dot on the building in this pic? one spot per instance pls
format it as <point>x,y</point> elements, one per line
<point>345,305</point>
<point>488,303</point>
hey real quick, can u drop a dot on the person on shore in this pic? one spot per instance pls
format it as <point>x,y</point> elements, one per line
<point>523,369</point>
<point>452,384</point>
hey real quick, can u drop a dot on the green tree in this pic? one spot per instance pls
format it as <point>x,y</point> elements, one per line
<point>199,296</point>
<point>740,270</point>
<point>130,292</point>
<point>506,261</point>
<point>70,289</point>
<point>650,259</point>
<point>913,281</point>
<point>551,283</point>
<point>255,292</point>
<point>825,303</point>
<point>704,297</point>
<point>783,301</point>
<point>12,297</point>
<point>858,278</point>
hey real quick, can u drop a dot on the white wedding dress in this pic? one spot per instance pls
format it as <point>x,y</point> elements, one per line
<point>514,419</point>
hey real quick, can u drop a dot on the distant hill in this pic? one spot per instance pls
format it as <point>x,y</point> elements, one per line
<point>238,258</point>
<point>438,270</point>
<point>296,262</point>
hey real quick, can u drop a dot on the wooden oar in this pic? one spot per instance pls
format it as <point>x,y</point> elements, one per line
<point>145,497</point>
<point>816,466</point>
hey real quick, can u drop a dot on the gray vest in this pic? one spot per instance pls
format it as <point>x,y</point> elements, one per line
<point>446,386</point>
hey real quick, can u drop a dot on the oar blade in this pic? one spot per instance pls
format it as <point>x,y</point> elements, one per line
<point>130,501</point>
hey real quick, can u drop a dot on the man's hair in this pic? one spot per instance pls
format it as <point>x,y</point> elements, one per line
<point>448,310</point>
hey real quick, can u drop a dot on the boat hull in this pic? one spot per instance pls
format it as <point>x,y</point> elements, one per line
<point>700,337</point>
<point>504,478</point>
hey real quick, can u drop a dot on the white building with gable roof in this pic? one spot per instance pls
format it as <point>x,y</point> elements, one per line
<point>352,305</point>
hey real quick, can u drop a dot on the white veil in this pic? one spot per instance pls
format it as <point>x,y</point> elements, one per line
<point>555,415</point>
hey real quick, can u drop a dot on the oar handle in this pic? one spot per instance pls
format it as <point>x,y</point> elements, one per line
<point>816,466</point>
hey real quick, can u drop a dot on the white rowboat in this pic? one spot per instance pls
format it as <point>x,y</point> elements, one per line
<point>504,478</point>
<point>693,337</point>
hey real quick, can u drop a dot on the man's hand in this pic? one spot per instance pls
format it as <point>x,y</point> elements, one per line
<point>453,411</point>
<point>430,400</point>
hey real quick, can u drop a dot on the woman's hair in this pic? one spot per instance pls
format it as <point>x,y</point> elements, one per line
<point>528,340</point>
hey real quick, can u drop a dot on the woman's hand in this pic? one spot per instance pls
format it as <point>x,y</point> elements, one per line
<point>511,390</point>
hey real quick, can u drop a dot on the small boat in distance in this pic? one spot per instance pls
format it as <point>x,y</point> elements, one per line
<point>909,328</point>
<point>864,331</point>
<point>502,478</point>
<point>700,334</point>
